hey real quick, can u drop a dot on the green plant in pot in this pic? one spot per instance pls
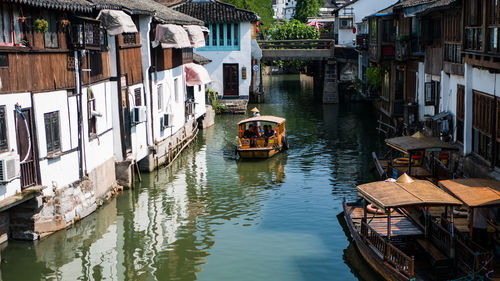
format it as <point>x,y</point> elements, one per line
<point>41,25</point>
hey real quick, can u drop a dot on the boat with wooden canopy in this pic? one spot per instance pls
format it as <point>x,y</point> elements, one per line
<point>254,142</point>
<point>423,157</point>
<point>392,242</point>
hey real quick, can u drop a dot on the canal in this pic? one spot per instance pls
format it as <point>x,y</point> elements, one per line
<point>211,217</point>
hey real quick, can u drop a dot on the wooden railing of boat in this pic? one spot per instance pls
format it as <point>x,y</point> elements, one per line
<point>390,254</point>
<point>471,262</point>
<point>440,237</point>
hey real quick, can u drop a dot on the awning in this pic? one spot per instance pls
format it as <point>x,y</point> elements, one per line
<point>196,74</point>
<point>196,36</point>
<point>405,192</point>
<point>116,22</point>
<point>264,118</point>
<point>474,192</point>
<point>256,50</point>
<point>172,36</point>
<point>418,141</point>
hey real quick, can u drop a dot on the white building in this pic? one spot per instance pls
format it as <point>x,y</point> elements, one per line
<point>352,13</point>
<point>228,45</point>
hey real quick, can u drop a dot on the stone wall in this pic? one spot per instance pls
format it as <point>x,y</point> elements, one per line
<point>165,150</point>
<point>57,207</point>
<point>209,118</point>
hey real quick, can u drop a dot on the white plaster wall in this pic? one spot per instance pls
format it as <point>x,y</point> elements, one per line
<point>241,57</point>
<point>170,105</point>
<point>63,170</point>
<point>9,101</point>
<point>139,130</point>
<point>145,28</point>
<point>484,81</point>
<point>420,91</point>
<point>361,9</point>
<point>99,149</point>
<point>199,98</point>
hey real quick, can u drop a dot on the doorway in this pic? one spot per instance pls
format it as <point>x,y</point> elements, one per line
<point>231,79</point>
<point>26,148</point>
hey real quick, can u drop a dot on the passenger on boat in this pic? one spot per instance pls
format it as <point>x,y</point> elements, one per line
<point>250,134</point>
<point>480,225</point>
<point>268,132</point>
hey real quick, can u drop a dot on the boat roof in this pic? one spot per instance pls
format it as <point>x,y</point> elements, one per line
<point>474,192</point>
<point>264,118</point>
<point>405,191</point>
<point>418,141</point>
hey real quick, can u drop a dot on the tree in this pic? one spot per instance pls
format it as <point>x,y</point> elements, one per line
<point>291,30</point>
<point>307,8</point>
<point>263,8</point>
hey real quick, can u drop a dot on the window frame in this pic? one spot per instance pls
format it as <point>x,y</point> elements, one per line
<point>92,120</point>
<point>217,39</point>
<point>50,130</point>
<point>4,138</point>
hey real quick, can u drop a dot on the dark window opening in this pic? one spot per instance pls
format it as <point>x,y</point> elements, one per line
<point>3,130</point>
<point>52,131</point>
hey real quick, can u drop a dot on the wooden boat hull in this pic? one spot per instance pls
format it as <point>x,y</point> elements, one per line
<point>370,256</point>
<point>257,153</point>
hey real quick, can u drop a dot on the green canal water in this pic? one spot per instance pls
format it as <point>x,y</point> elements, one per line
<point>211,217</point>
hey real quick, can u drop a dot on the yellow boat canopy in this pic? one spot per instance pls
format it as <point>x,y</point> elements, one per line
<point>405,192</point>
<point>416,142</point>
<point>474,192</point>
<point>265,118</point>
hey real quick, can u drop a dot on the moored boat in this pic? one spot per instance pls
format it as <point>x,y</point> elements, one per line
<point>396,246</point>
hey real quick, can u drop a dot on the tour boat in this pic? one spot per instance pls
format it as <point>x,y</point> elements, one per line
<point>414,150</point>
<point>259,145</point>
<point>401,248</point>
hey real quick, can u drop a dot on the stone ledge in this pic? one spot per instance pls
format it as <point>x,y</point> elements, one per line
<point>17,199</point>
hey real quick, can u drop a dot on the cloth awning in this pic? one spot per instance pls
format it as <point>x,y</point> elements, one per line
<point>196,36</point>
<point>405,191</point>
<point>264,118</point>
<point>196,74</point>
<point>418,141</point>
<point>474,192</point>
<point>116,22</point>
<point>256,51</point>
<point>172,36</point>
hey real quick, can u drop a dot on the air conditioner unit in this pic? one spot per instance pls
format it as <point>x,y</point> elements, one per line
<point>166,121</point>
<point>9,166</point>
<point>138,114</point>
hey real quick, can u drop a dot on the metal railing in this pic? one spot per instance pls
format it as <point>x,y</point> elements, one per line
<point>297,44</point>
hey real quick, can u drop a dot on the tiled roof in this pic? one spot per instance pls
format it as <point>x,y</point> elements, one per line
<point>161,12</point>
<point>213,11</point>
<point>65,5</point>
<point>438,5</point>
<point>412,3</point>
<point>200,59</point>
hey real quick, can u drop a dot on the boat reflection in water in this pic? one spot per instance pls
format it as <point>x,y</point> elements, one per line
<point>267,173</point>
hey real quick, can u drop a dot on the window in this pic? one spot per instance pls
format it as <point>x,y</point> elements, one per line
<point>222,36</point>
<point>176,89</point>
<point>190,93</point>
<point>10,28</point>
<point>92,119</point>
<point>51,37</point>
<point>429,93</point>
<point>482,124</point>
<point>460,113</point>
<point>345,23</point>
<point>137,97</point>
<point>452,53</point>
<point>373,29</point>
<point>159,90</point>
<point>129,38</point>
<point>52,131</point>
<point>95,58</point>
<point>3,130</point>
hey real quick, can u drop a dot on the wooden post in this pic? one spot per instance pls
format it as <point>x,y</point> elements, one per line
<point>409,164</point>
<point>388,211</point>
<point>471,221</point>
<point>452,234</point>
<point>364,210</point>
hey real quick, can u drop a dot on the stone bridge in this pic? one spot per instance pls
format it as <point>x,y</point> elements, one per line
<point>320,52</point>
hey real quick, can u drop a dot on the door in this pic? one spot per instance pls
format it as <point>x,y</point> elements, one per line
<point>127,124</point>
<point>231,79</point>
<point>26,148</point>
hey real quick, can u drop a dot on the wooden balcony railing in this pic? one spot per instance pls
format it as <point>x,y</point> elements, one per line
<point>392,255</point>
<point>402,49</point>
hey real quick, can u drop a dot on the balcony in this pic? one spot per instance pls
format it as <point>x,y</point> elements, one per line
<point>474,38</point>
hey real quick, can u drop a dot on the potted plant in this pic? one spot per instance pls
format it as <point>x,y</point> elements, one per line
<point>375,77</point>
<point>41,25</point>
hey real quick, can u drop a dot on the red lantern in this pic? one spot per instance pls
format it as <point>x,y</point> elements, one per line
<point>354,30</point>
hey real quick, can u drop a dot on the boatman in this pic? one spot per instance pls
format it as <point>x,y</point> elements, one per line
<point>256,114</point>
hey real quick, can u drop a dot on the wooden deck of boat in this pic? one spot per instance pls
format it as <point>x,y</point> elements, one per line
<point>400,224</point>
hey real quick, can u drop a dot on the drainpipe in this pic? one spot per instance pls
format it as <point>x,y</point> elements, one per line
<point>119,93</point>
<point>146,64</point>
<point>79,112</point>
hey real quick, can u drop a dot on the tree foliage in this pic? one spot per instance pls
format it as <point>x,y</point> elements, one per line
<point>263,8</point>
<point>375,77</point>
<point>291,30</point>
<point>307,8</point>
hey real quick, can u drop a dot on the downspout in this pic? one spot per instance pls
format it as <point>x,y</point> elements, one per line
<point>79,112</point>
<point>146,65</point>
<point>119,93</point>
